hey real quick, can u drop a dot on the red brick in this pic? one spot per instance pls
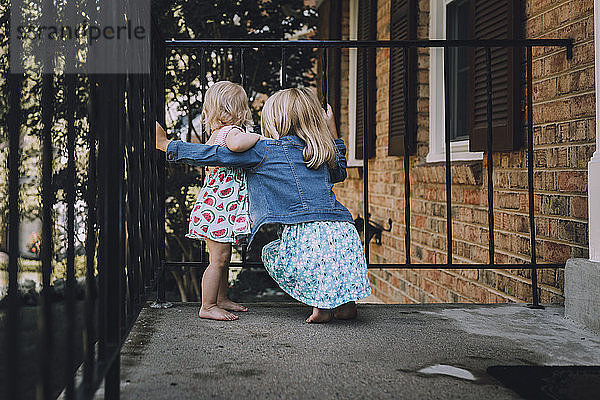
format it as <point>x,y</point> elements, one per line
<point>579,207</point>
<point>584,105</point>
<point>471,197</point>
<point>479,294</point>
<point>463,287</point>
<point>580,8</point>
<point>572,181</point>
<point>556,252</point>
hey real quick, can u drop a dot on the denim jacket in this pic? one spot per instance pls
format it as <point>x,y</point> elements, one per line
<point>281,189</point>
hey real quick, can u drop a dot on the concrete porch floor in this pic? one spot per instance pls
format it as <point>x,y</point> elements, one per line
<point>270,353</point>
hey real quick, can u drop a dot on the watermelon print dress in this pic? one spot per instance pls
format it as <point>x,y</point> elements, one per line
<point>221,210</point>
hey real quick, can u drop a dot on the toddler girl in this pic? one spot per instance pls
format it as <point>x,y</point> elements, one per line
<point>319,259</point>
<point>220,214</point>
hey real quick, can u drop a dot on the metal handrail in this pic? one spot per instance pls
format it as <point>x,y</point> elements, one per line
<point>533,265</point>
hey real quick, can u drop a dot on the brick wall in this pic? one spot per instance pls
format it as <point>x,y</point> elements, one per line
<point>563,141</point>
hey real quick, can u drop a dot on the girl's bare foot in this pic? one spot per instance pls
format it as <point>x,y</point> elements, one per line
<point>346,311</point>
<point>319,316</point>
<point>227,304</point>
<point>216,313</point>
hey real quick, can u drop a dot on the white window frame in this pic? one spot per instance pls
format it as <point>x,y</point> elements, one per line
<point>352,161</point>
<point>459,150</point>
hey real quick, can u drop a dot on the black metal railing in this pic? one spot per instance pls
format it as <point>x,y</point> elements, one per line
<point>124,195</point>
<point>110,130</point>
<point>487,45</point>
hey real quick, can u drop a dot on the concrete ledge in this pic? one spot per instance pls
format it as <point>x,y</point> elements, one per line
<point>582,292</point>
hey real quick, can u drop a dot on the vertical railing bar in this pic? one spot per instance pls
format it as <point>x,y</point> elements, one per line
<point>405,57</point>
<point>161,198</point>
<point>142,127</point>
<point>203,86</point>
<point>448,160</point>
<point>283,74</point>
<point>324,76</point>
<point>147,152</point>
<point>154,177</point>
<point>151,181</point>
<point>243,69</point>
<point>111,148</point>
<point>135,138</point>
<point>92,307</point>
<point>243,80</point>
<point>203,91</point>
<point>13,342</point>
<point>46,326</point>
<point>113,223</point>
<point>365,153</point>
<point>162,171</point>
<point>90,244</point>
<point>134,171</point>
<point>155,158</point>
<point>244,254</point>
<point>132,203</point>
<point>490,159</point>
<point>101,170</point>
<point>70,93</point>
<point>534,283</point>
<point>124,305</point>
<point>46,332</point>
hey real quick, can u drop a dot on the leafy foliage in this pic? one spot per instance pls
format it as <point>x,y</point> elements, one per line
<point>222,19</point>
<point>182,19</point>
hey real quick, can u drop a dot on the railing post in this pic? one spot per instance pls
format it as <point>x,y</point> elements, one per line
<point>324,76</point>
<point>490,159</point>
<point>406,160</point>
<point>283,76</point>
<point>13,342</point>
<point>243,69</point>
<point>366,152</point>
<point>46,250</point>
<point>448,161</point>
<point>90,244</point>
<point>70,96</point>
<point>111,149</point>
<point>530,163</point>
<point>158,105</point>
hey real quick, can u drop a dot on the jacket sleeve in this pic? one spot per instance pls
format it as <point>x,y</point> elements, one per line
<point>197,154</point>
<point>338,174</point>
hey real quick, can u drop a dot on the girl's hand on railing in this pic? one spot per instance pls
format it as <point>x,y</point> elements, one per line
<point>161,138</point>
<point>330,121</point>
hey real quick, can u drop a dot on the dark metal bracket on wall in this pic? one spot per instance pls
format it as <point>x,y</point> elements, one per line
<point>374,229</point>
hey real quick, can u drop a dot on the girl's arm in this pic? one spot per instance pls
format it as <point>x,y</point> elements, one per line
<point>200,154</point>
<point>161,138</point>
<point>330,121</point>
<point>338,173</point>
<point>238,140</point>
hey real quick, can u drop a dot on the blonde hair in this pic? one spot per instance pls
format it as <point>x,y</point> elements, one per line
<point>225,103</point>
<point>298,111</point>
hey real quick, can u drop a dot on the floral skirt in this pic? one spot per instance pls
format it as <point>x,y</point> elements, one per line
<point>321,264</point>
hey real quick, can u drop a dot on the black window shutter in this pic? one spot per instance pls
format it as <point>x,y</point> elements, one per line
<point>367,30</point>
<point>403,26</point>
<point>496,19</point>
<point>330,24</point>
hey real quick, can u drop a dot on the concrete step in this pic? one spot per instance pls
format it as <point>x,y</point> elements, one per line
<point>390,352</point>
